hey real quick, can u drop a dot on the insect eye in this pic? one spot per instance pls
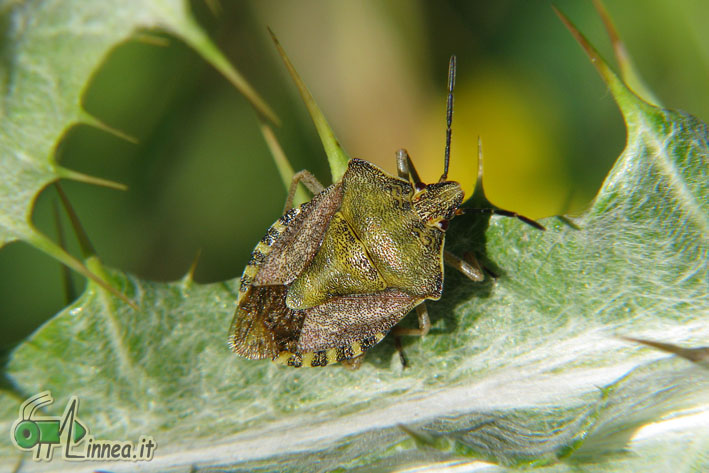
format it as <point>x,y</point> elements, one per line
<point>442,225</point>
<point>419,186</point>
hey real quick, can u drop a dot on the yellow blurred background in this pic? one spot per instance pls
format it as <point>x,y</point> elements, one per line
<point>201,177</point>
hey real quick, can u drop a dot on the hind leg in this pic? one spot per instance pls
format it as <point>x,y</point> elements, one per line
<point>309,181</point>
<point>423,328</point>
<point>353,363</point>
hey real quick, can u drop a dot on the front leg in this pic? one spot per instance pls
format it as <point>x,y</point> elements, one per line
<point>471,270</point>
<point>405,168</point>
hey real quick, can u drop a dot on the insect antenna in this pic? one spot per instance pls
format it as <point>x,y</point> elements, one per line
<point>449,117</point>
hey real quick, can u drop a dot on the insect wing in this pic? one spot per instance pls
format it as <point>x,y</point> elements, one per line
<point>348,319</point>
<point>263,325</point>
<point>294,246</point>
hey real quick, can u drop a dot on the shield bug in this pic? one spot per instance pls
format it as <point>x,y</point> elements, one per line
<point>333,276</point>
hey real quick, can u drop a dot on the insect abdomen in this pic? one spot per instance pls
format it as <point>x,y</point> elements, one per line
<point>329,356</point>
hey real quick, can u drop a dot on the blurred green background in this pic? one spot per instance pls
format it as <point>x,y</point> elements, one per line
<point>201,177</point>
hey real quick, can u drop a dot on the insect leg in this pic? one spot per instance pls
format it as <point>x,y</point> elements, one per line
<point>471,270</point>
<point>405,167</point>
<point>400,350</point>
<point>353,363</point>
<point>310,181</point>
<point>424,323</point>
<point>424,327</point>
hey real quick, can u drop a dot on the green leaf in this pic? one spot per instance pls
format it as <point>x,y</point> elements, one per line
<point>49,51</point>
<point>631,78</point>
<point>9,407</point>
<point>509,373</point>
<point>285,170</point>
<point>336,156</point>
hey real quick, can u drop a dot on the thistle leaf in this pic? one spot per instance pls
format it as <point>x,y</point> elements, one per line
<point>510,372</point>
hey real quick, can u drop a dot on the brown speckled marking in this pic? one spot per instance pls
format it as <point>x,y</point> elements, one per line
<point>289,216</point>
<point>344,353</point>
<point>319,358</point>
<point>263,248</point>
<point>256,258</point>
<point>367,343</point>
<point>295,360</point>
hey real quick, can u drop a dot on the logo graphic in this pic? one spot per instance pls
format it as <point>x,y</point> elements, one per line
<point>44,434</point>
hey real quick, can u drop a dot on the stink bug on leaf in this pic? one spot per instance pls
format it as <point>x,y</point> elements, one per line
<point>333,276</point>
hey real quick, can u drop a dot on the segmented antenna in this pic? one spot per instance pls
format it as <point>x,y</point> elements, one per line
<point>449,116</point>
